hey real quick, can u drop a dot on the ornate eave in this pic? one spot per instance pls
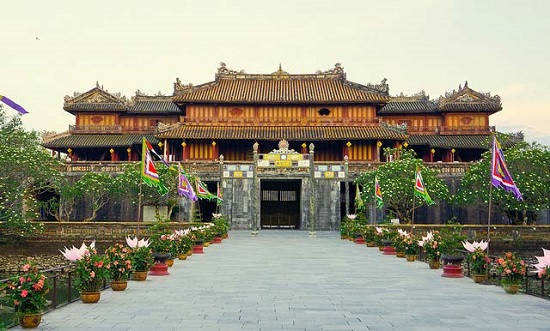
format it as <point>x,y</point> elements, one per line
<point>418,103</point>
<point>313,133</point>
<point>96,99</point>
<point>466,99</point>
<point>231,86</point>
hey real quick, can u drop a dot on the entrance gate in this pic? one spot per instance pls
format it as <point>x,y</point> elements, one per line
<point>280,204</point>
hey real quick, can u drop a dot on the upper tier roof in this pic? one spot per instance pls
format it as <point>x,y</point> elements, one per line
<point>279,87</point>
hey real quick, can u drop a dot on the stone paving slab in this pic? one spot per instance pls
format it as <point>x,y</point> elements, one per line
<point>285,280</point>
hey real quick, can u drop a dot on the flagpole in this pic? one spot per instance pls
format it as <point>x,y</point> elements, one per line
<point>412,219</point>
<point>139,208</point>
<point>489,216</point>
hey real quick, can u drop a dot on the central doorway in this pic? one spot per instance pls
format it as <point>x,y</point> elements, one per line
<point>280,204</point>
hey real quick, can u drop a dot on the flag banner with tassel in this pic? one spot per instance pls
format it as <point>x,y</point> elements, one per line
<point>202,191</point>
<point>359,204</point>
<point>420,189</point>
<point>500,176</point>
<point>13,105</point>
<point>219,199</point>
<point>149,172</point>
<point>184,187</point>
<point>378,194</point>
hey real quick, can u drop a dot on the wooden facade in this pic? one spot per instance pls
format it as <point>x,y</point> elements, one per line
<point>240,116</point>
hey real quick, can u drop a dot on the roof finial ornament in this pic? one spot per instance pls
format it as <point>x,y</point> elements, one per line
<point>97,83</point>
<point>460,87</point>
<point>466,84</point>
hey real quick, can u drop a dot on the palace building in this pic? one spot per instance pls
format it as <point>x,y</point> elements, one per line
<point>284,147</point>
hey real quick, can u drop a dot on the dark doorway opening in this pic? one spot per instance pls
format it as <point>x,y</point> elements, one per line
<point>280,204</point>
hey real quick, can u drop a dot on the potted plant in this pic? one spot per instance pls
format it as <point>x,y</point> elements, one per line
<point>90,271</point>
<point>222,224</point>
<point>431,246</point>
<point>119,264</point>
<point>410,244</point>
<point>184,243</point>
<point>512,271</point>
<point>400,242</point>
<point>451,243</point>
<point>477,259</point>
<point>141,256</point>
<point>370,236</point>
<point>27,291</point>
<point>162,248</point>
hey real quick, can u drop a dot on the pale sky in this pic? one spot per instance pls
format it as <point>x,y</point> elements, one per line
<point>50,49</point>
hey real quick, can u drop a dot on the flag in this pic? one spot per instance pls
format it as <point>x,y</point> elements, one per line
<point>152,150</point>
<point>359,204</point>
<point>13,105</point>
<point>184,187</point>
<point>378,193</point>
<point>149,173</point>
<point>219,199</point>
<point>500,176</point>
<point>202,191</point>
<point>420,189</point>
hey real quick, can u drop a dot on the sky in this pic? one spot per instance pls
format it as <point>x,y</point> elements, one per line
<point>51,49</point>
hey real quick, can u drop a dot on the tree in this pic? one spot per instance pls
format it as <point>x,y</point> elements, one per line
<point>62,204</point>
<point>27,171</point>
<point>397,179</point>
<point>96,188</point>
<point>127,185</point>
<point>528,164</point>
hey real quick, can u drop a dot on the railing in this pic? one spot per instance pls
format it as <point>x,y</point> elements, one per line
<point>116,128</point>
<point>210,168</point>
<point>62,292</point>
<point>95,128</point>
<point>255,121</point>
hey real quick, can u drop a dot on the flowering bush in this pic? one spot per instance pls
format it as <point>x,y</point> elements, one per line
<point>91,269</point>
<point>431,244</point>
<point>183,241</point>
<point>27,291</point>
<point>478,259</point>
<point>119,262</point>
<point>410,244</point>
<point>511,269</point>
<point>161,243</point>
<point>451,239</point>
<point>543,267</point>
<point>140,254</point>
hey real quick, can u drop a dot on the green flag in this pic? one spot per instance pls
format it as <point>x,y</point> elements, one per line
<point>378,193</point>
<point>359,204</point>
<point>420,189</point>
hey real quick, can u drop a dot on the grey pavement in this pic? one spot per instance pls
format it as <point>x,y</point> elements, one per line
<point>285,280</point>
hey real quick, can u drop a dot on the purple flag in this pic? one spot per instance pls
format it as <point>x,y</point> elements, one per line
<point>184,187</point>
<point>500,176</point>
<point>13,105</point>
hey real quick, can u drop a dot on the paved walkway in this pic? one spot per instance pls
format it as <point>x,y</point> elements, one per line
<point>284,280</point>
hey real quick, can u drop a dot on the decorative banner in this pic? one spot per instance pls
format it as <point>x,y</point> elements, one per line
<point>13,105</point>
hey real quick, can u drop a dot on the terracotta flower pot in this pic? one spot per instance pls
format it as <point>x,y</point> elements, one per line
<point>478,278</point>
<point>410,257</point>
<point>90,297</point>
<point>511,288</point>
<point>118,285</point>
<point>139,275</point>
<point>30,321</point>
<point>434,264</point>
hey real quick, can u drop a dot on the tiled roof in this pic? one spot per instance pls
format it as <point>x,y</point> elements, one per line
<point>99,140</point>
<point>280,91</point>
<point>283,132</point>
<point>281,87</point>
<point>154,105</point>
<point>451,141</point>
<point>408,106</point>
<point>466,99</point>
<point>108,107</point>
